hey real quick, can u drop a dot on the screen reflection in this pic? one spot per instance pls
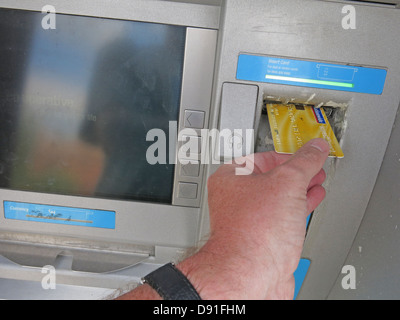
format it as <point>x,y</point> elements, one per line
<point>77,102</point>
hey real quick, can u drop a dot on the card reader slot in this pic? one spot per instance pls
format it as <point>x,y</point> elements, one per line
<point>336,116</point>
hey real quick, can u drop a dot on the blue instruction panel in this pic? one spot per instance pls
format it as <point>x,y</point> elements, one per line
<point>59,215</point>
<point>311,74</point>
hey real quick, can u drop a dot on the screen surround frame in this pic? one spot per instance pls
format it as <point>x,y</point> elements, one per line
<point>139,223</point>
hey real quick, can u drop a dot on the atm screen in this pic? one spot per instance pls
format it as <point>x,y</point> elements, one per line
<point>77,101</point>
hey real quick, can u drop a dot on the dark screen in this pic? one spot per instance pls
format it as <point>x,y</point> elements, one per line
<point>76,103</point>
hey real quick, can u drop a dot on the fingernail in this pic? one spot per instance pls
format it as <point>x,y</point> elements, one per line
<point>321,145</point>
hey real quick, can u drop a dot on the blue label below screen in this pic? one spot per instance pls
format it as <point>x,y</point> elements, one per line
<point>311,74</point>
<point>59,215</point>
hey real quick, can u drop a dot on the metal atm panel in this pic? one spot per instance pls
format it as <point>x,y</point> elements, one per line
<point>312,31</point>
<point>306,31</point>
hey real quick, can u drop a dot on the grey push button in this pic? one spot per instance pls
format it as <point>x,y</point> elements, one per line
<point>191,169</point>
<point>194,119</point>
<point>191,148</point>
<point>187,190</point>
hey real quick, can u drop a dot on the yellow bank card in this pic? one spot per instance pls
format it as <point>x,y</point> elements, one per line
<point>293,126</point>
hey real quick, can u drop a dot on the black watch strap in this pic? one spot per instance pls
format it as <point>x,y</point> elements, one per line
<point>171,284</point>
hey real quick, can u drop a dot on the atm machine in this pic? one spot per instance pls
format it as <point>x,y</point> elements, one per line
<point>84,214</point>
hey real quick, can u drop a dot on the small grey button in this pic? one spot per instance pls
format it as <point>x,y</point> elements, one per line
<point>194,119</point>
<point>187,190</point>
<point>193,142</point>
<point>191,169</point>
<point>191,148</point>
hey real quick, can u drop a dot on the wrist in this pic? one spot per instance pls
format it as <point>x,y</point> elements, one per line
<point>220,272</point>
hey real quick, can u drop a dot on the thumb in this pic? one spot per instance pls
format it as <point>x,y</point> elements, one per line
<point>309,160</point>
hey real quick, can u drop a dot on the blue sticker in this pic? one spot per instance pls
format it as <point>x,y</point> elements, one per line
<point>302,269</point>
<point>319,116</point>
<point>59,215</point>
<point>311,74</point>
<point>300,275</point>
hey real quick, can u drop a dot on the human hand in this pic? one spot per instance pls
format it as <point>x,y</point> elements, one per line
<point>258,225</point>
